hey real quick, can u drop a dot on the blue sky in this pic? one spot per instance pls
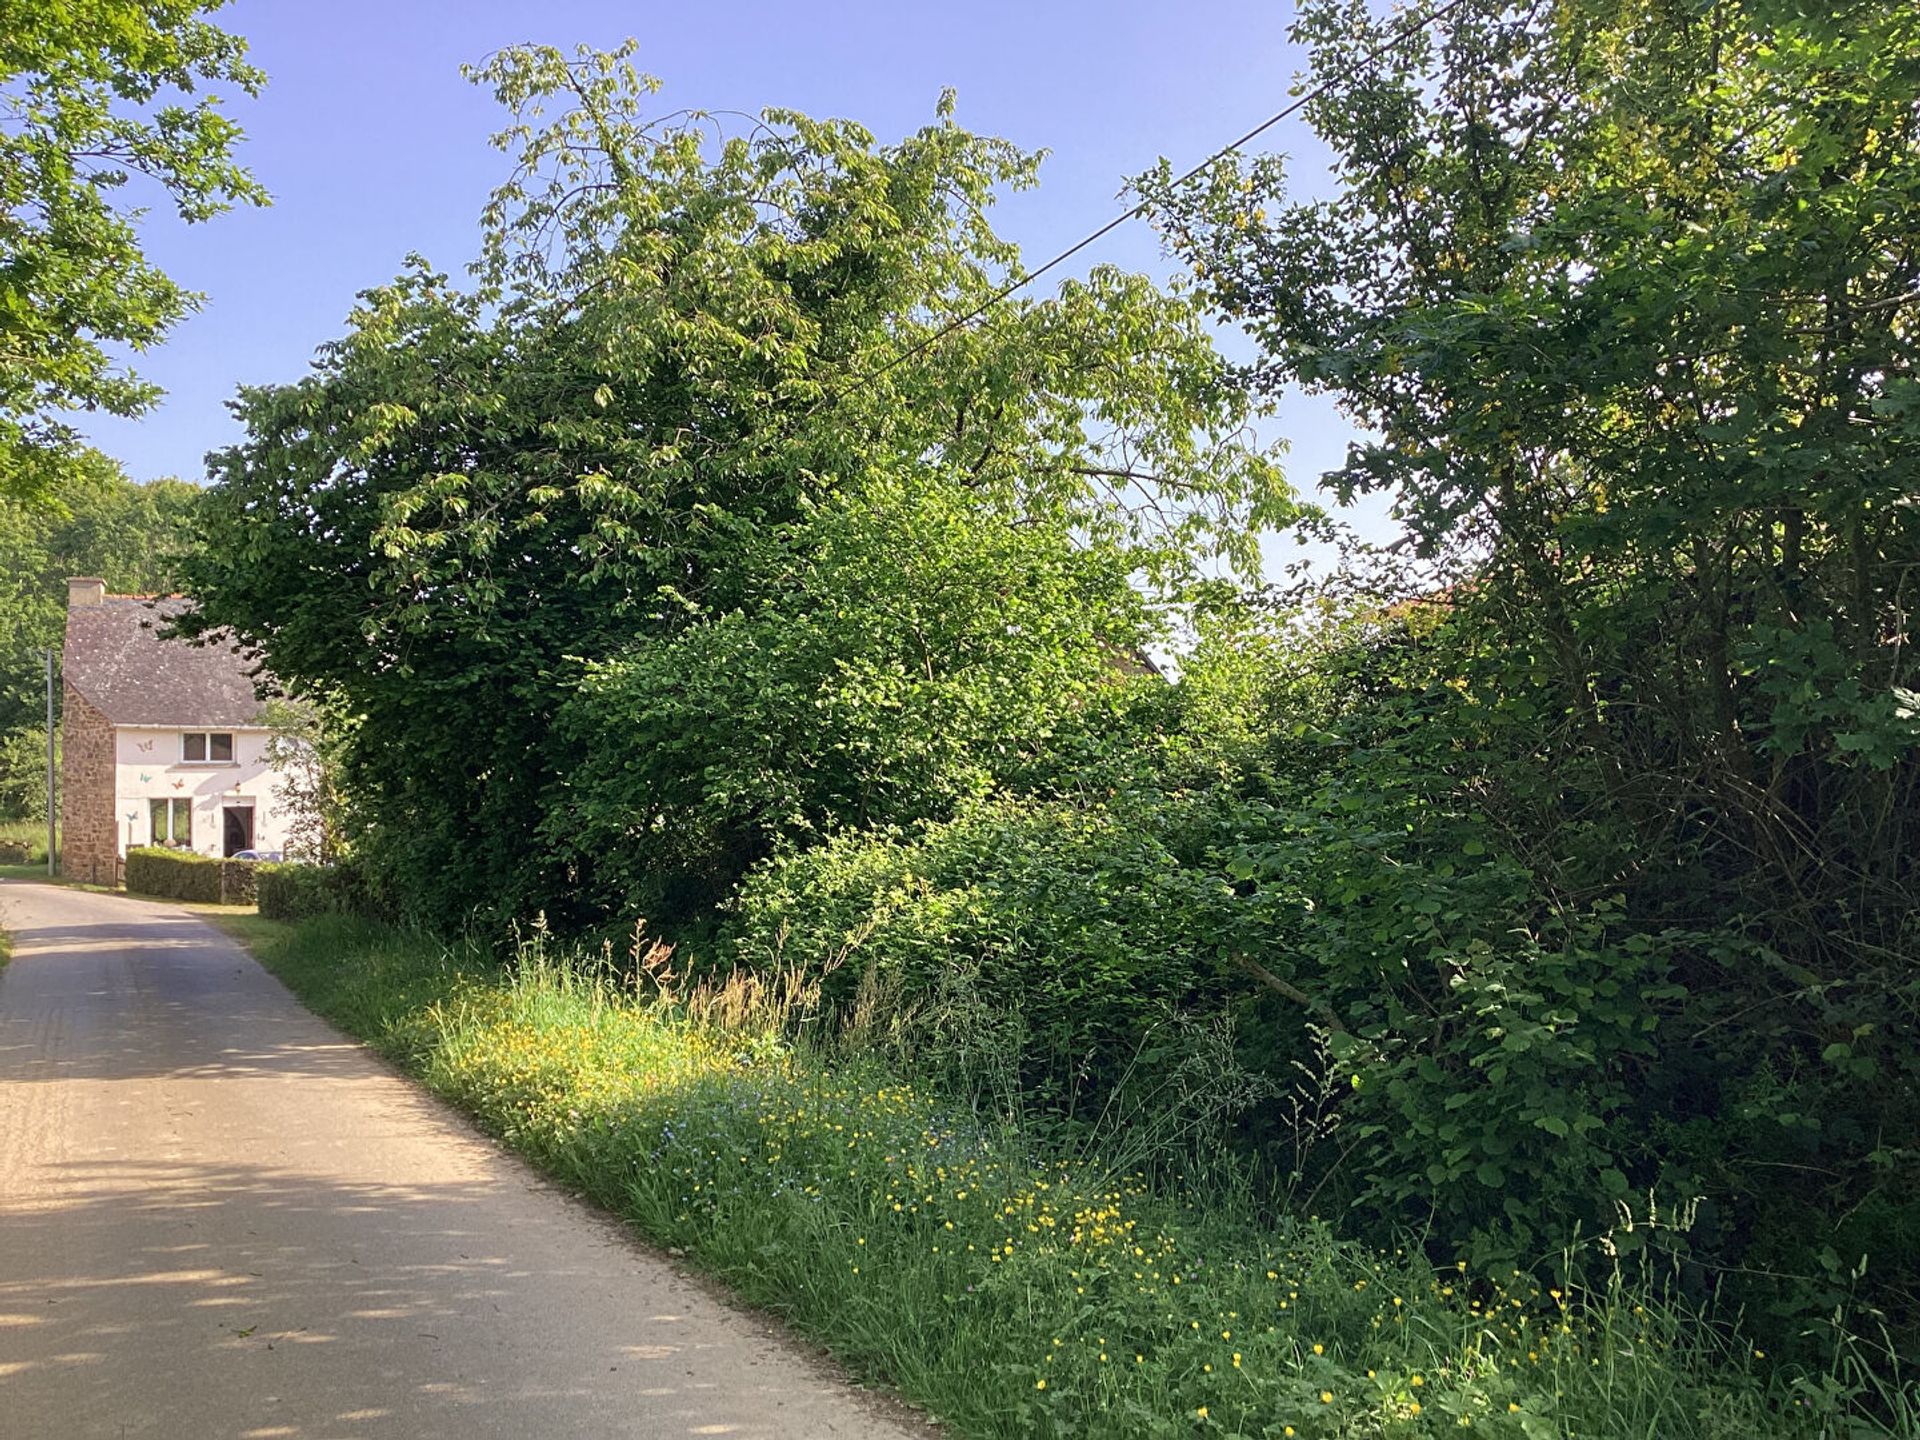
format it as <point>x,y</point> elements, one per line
<point>373,146</point>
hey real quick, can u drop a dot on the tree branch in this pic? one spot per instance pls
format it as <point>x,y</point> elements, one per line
<point>1293,992</point>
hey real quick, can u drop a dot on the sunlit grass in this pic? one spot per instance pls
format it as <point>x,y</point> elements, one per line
<point>1011,1293</point>
<point>32,834</point>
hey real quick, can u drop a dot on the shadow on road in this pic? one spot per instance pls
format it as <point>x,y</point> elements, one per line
<point>401,1277</point>
<point>219,1218</point>
<point>141,1012</point>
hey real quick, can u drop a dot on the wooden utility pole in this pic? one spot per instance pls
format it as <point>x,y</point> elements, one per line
<point>52,814</point>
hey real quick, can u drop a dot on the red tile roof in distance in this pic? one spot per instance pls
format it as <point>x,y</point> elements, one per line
<point>115,657</point>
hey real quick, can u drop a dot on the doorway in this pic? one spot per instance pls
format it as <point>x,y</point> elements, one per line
<point>236,824</point>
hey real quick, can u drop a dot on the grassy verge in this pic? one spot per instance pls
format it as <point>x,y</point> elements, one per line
<point>242,922</point>
<point>1011,1293</point>
<point>30,833</point>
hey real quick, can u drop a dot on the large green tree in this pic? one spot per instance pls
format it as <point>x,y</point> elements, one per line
<point>893,652</point>
<point>99,109</point>
<point>1626,293</point>
<point>688,351</point>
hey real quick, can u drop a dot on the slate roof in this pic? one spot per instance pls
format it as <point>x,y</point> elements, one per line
<point>115,658</point>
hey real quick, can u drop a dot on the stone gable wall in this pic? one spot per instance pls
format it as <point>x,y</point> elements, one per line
<point>89,841</point>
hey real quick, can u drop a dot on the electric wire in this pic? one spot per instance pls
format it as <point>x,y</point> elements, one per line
<point>1012,287</point>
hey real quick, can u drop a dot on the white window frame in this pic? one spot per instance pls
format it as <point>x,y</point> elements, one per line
<point>206,738</point>
<point>174,807</point>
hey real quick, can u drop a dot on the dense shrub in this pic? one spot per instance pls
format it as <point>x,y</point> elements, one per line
<point>899,653</point>
<point>1077,924</point>
<point>174,874</point>
<point>1487,1067</point>
<point>239,881</point>
<point>1463,1029</point>
<point>282,891</point>
<point>182,875</point>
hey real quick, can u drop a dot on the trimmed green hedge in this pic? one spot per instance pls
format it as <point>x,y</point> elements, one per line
<point>173,874</point>
<point>182,875</point>
<point>239,880</point>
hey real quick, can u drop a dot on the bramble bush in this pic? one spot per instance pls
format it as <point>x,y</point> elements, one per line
<point>1455,1034</point>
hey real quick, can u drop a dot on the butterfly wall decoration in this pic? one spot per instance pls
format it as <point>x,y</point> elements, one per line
<point>145,747</point>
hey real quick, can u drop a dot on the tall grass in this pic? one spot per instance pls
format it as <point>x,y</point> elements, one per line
<point>32,834</point>
<point>1012,1291</point>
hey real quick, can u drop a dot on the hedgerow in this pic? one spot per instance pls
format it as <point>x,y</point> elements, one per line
<point>183,875</point>
<point>1457,1031</point>
<point>1551,873</point>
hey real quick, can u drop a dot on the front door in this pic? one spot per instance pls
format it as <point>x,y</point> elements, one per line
<point>237,828</point>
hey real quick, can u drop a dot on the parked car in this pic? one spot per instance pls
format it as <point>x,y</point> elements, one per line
<point>255,855</point>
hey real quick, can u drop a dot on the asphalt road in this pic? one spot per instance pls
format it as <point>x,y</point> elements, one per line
<point>219,1218</point>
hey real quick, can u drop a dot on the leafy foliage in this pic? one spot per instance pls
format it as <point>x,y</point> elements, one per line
<point>1627,294</point>
<point>1337,894</point>
<point>304,748</point>
<point>679,407</point>
<point>23,773</point>
<point>895,654</point>
<point>1451,1038</point>
<point>97,93</point>
<point>1573,893</point>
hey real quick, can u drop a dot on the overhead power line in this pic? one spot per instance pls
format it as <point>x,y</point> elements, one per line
<point>1399,37</point>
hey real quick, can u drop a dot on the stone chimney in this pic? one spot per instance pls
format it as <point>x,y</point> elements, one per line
<point>85,590</point>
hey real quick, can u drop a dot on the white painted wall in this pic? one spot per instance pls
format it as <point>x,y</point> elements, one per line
<point>148,767</point>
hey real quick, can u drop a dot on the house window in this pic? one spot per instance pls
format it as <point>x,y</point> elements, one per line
<point>172,822</point>
<point>204,747</point>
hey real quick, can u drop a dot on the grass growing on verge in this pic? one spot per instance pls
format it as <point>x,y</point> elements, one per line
<point>31,834</point>
<point>1010,1293</point>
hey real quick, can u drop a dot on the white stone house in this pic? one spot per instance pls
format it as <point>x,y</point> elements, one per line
<point>161,741</point>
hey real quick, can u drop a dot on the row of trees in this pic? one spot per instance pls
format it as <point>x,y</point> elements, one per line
<point>91,521</point>
<point>662,544</point>
<point>720,556</point>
